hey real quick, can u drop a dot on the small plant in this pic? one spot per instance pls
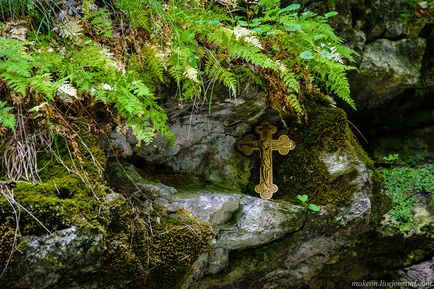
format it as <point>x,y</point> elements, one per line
<point>304,201</point>
<point>6,119</point>
<point>403,183</point>
<point>391,158</point>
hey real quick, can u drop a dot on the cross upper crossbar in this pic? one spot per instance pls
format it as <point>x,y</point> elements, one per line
<point>266,145</point>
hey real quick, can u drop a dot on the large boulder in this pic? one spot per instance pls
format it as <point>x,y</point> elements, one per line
<point>387,69</point>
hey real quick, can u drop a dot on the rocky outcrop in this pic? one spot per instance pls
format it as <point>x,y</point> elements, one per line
<point>271,242</point>
<point>394,40</point>
<point>57,251</point>
<point>419,274</point>
<point>197,223</point>
<point>386,70</point>
<point>204,141</point>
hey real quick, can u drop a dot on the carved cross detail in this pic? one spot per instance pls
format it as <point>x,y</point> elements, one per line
<point>266,145</point>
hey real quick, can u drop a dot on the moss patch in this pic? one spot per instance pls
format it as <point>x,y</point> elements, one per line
<point>178,241</point>
<point>137,254</point>
<point>303,172</point>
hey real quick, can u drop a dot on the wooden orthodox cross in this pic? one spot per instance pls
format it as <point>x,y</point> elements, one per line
<point>266,145</point>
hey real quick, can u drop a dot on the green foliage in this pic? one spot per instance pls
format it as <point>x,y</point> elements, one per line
<point>200,44</point>
<point>391,157</point>
<point>192,44</point>
<point>303,198</point>
<point>91,71</point>
<point>6,119</point>
<point>304,201</point>
<point>403,183</point>
<point>43,13</point>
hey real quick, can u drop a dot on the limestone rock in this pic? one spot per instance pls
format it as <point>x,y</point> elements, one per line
<point>241,221</point>
<point>260,222</point>
<point>238,221</point>
<point>297,258</point>
<point>421,274</point>
<point>387,69</point>
<point>50,257</point>
<point>205,142</point>
<point>212,207</point>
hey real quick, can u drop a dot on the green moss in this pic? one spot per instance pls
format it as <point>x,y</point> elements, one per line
<point>178,241</point>
<point>303,172</point>
<point>7,233</point>
<point>326,128</point>
<point>136,255</point>
<point>403,183</point>
<point>90,167</point>
<point>155,255</point>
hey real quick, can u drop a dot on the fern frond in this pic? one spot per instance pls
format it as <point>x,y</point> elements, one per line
<point>44,85</point>
<point>155,64</point>
<point>214,70</point>
<point>140,89</point>
<point>7,119</point>
<point>70,28</point>
<point>15,82</point>
<point>288,78</point>
<point>253,55</point>
<point>292,86</point>
<point>136,13</point>
<point>100,22</point>
<point>178,61</point>
<point>338,83</point>
<point>295,105</point>
<point>13,58</point>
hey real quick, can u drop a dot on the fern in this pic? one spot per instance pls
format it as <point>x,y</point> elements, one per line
<point>194,44</point>
<point>214,70</point>
<point>288,78</point>
<point>135,12</point>
<point>292,85</point>
<point>13,58</point>
<point>44,85</point>
<point>15,82</point>
<point>338,83</point>
<point>70,28</point>
<point>100,22</point>
<point>153,63</point>
<point>6,118</point>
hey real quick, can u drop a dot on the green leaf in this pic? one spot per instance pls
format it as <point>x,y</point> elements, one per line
<point>328,55</point>
<point>262,29</point>
<point>303,198</point>
<point>293,27</point>
<point>243,23</point>
<point>293,7</point>
<point>308,15</point>
<point>200,22</point>
<point>318,37</point>
<point>306,55</point>
<point>313,208</point>
<point>330,14</point>
<point>213,22</point>
<point>187,36</point>
<point>6,119</point>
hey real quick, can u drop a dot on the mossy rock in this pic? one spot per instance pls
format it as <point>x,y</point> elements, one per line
<point>304,171</point>
<point>132,253</point>
<point>179,241</point>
